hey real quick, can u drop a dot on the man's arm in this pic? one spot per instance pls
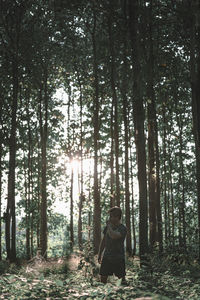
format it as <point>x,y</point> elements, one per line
<point>113,234</point>
<point>101,248</point>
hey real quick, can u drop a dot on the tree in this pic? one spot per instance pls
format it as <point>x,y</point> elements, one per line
<point>138,116</point>
<point>115,105</point>
<point>12,24</point>
<point>195,76</point>
<point>97,209</point>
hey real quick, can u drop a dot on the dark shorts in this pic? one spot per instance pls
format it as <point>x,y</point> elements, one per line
<point>109,267</point>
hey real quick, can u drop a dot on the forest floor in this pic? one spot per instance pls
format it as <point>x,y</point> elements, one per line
<point>76,277</point>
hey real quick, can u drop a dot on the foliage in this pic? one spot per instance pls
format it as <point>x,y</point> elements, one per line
<point>61,283</point>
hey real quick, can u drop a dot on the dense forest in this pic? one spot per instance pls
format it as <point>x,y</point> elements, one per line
<point>100,107</point>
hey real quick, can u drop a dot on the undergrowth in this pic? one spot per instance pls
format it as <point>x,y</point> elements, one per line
<point>162,277</point>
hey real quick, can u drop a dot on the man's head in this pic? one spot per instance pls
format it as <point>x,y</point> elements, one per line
<point>115,215</point>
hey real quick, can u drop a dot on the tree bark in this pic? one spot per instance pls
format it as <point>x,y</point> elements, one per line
<point>151,136</point>
<point>81,197</point>
<point>97,207</point>
<point>181,184</point>
<point>164,179</point>
<point>0,196</point>
<point>112,192</point>
<point>115,105</point>
<point>43,129</point>
<point>195,79</point>
<point>71,211</point>
<point>171,197</point>
<point>132,205</point>
<point>126,141</point>
<point>138,116</point>
<point>10,211</point>
<point>158,204</point>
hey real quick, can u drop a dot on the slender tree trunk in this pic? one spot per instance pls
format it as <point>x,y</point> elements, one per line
<point>1,167</point>
<point>151,136</point>
<point>89,204</point>
<point>0,196</point>
<point>168,209</point>
<point>43,220</point>
<point>168,143</point>
<point>115,103</point>
<point>126,140</point>
<point>181,183</point>
<point>180,238</point>
<point>132,205</point>
<point>112,193</point>
<point>138,116</point>
<point>97,208</point>
<point>10,211</point>
<point>28,187</point>
<point>38,191</point>
<point>81,197</point>
<point>171,197</point>
<point>71,212</point>
<point>32,204</point>
<point>158,205</point>
<point>164,179</point>
<point>195,79</point>
<point>26,211</point>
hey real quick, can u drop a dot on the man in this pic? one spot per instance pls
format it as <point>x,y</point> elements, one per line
<point>113,261</point>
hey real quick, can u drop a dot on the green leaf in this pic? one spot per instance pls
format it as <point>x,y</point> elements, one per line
<point>118,282</point>
<point>59,282</point>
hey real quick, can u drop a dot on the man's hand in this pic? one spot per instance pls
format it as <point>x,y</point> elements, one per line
<point>99,259</point>
<point>113,233</point>
<point>109,224</point>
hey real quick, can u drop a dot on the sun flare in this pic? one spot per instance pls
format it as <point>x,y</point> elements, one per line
<point>87,165</point>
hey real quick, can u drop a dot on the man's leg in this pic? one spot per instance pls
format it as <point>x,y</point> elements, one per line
<point>124,280</point>
<point>120,271</point>
<point>104,279</point>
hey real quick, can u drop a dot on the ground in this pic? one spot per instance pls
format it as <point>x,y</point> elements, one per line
<point>76,277</point>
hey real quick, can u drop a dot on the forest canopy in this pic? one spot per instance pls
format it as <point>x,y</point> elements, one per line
<point>99,107</point>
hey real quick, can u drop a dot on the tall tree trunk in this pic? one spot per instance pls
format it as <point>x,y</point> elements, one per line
<point>151,135</point>
<point>181,183</point>
<point>97,207</point>
<point>138,116</point>
<point>112,192</point>
<point>1,146</point>
<point>132,205</point>
<point>115,104</point>
<point>0,195</point>
<point>71,211</point>
<point>28,186</point>
<point>81,197</point>
<point>126,140</point>
<point>26,211</point>
<point>195,79</point>
<point>89,203</point>
<point>171,196</point>
<point>38,186</point>
<point>158,205</point>
<point>180,237</point>
<point>32,204</point>
<point>164,179</point>
<point>168,208</point>
<point>43,128</point>
<point>10,211</point>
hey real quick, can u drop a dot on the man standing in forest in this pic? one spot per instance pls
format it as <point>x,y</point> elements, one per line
<point>113,261</point>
